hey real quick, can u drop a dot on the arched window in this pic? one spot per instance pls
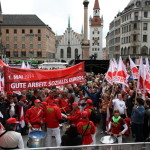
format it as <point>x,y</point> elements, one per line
<point>69,52</point>
<point>61,53</point>
<point>144,50</point>
<point>125,51</point>
<point>76,53</point>
<point>128,50</point>
<point>122,52</point>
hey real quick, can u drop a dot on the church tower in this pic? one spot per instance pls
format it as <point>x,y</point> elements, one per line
<point>96,32</point>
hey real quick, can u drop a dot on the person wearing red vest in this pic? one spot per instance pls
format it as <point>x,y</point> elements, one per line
<point>88,109</point>
<point>52,116</point>
<point>89,106</point>
<point>75,114</point>
<point>86,128</point>
<point>34,116</point>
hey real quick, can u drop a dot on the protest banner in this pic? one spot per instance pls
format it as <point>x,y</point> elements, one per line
<point>20,79</point>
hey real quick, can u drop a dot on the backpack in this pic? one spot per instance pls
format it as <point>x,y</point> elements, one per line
<point>95,116</point>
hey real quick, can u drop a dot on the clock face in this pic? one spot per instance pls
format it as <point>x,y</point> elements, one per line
<point>95,29</point>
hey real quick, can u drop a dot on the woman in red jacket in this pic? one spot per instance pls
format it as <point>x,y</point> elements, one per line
<point>86,128</point>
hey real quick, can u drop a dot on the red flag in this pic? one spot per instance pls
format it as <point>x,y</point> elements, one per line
<point>114,69</point>
<point>22,122</point>
<point>109,73</point>
<point>122,73</point>
<point>142,77</point>
<point>134,69</point>
<point>2,64</point>
<point>17,79</point>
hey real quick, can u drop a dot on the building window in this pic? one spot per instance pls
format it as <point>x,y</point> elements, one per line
<point>23,46</point>
<point>134,49</point>
<point>136,15</point>
<point>128,50</point>
<point>7,46</point>
<point>147,3</point>
<point>23,54</point>
<point>93,44</point>
<point>7,31</point>
<point>122,51</point>
<point>39,46</point>
<point>31,46</point>
<point>39,38</point>
<point>61,53</point>
<point>98,44</point>
<point>39,54</point>
<point>145,26</point>
<point>134,38</point>
<point>31,38</point>
<point>23,31</point>
<point>69,52</point>
<point>98,32</point>
<point>15,31</point>
<point>145,14</point>
<point>144,38</point>
<point>15,46</point>
<point>15,53</point>
<point>138,3</point>
<point>93,32</point>
<point>31,31</point>
<point>76,53</point>
<point>39,30</point>
<point>144,50</point>
<point>7,54</point>
<point>23,38</point>
<point>31,54</point>
<point>15,38</point>
<point>92,49</point>
<point>95,49</point>
<point>7,38</point>
<point>93,38</point>
<point>135,26</point>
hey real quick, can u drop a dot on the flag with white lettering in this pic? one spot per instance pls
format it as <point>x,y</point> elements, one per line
<point>17,79</point>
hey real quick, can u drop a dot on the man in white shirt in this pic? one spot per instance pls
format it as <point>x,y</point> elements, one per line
<point>9,138</point>
<point>119,104</point>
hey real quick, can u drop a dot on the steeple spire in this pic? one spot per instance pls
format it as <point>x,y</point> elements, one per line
<point>96,5</point>
<point>69,22</point>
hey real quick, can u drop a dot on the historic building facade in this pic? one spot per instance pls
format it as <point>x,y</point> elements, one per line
<point>129,32</point>
<point>72,45</point>
<point>26,37</point>
<point>69,45</point>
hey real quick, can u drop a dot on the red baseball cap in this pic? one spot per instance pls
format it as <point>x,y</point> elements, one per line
<point>74,104</point>
<point>84,114</point>
<point>12,120</point>
<point>44,103</point>
<point>37,101</point>
<point>89,101</point>
<point>9,93</point>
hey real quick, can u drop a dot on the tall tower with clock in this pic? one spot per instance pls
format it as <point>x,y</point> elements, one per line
<point>96,32</point>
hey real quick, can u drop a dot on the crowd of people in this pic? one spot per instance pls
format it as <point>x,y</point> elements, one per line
<point>122,111</point>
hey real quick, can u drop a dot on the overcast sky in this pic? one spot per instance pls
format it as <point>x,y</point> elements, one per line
<point>55,12</point>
